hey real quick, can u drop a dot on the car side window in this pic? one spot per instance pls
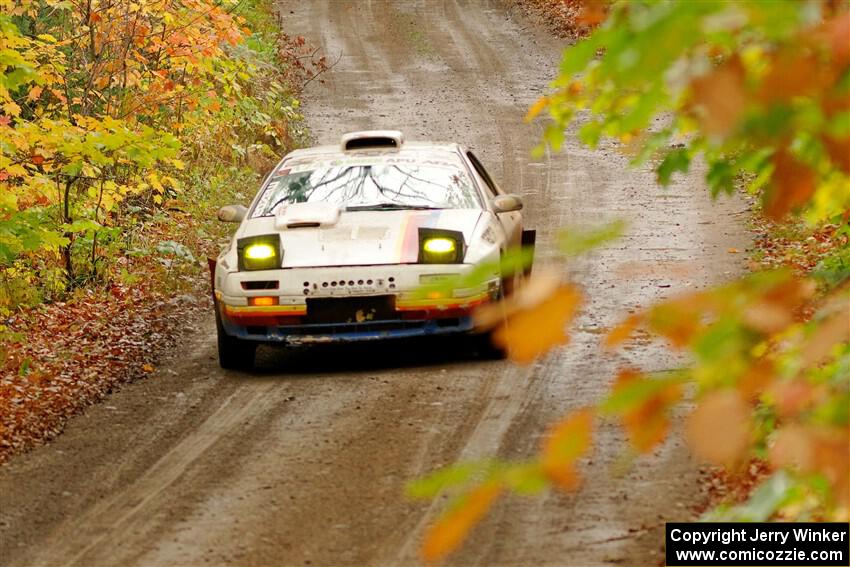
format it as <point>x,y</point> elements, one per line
<point>492,188</point>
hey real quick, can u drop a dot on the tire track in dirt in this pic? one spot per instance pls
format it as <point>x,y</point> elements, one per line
<point>117,516</point>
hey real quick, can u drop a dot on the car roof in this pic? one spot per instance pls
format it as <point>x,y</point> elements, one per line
<point>438,151</point>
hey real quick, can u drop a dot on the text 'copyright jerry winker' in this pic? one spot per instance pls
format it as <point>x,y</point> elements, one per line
<point>744,544</point>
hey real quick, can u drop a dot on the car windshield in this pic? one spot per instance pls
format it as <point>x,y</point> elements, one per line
<point>370,187</point>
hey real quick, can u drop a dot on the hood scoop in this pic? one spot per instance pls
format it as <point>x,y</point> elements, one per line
<point>303,215</point>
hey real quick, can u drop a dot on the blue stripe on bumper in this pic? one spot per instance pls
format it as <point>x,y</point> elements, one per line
<point>350,332</point>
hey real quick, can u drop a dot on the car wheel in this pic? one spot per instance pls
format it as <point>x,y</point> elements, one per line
<point>234,353</point>
<point>512,283</point>
<point>486,349</point>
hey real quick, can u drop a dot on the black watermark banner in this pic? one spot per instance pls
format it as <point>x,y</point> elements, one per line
<point>762,544</point>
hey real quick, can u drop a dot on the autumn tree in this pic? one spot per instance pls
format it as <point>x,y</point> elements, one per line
<point>102,101</point>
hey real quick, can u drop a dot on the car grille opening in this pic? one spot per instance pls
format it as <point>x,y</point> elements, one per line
<point>264,284</point>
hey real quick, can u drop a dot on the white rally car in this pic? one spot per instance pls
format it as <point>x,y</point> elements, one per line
<point>339,238</point>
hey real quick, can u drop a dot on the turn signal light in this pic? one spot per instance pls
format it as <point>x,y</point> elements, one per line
<point>262,301</point>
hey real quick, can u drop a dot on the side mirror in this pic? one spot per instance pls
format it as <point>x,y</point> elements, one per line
<point>507,203</point>
<point>232,213</point>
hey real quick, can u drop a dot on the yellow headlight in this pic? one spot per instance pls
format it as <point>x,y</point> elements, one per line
<point>259,251</point>
<point>439,245</point>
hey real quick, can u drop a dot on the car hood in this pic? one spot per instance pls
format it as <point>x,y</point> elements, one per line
<point>363,237</point>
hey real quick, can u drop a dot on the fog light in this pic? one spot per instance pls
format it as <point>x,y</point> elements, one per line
<point>259,251</point>
<point>438,246</point>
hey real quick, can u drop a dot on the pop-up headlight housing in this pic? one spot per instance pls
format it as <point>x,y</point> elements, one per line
<point>259,252</point>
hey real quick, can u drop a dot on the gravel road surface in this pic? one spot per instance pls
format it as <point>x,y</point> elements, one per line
<point>304,461</point>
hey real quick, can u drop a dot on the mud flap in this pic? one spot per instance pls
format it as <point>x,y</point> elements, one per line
<point>529,239</point>
<point>211,262</point>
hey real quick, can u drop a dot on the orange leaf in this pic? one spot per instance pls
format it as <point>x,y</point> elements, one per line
<point>679,320</point>
<point>792,446</point>
<point>776,308</point>
<point>791,292</point>
<point>792,396</point>
<point>451,530</point>
<point>719,97</point>
<point>839,151</point>
<point>622,332</point>
<point>767,318</point>
<point>536,108</point>
<point>593,12</point>
<point>835,329</point>
<point>531,332</point>
<point>719,429</point>
<point>839,35</point>
<point>757,378</point>
<point>568,440</point>
<point>647,424</point>
<point>35,92</point>
<point>815,449</point>
<point>832,459</point>
<point>792,184</point>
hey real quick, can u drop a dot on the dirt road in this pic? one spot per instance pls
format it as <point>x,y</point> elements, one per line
<point>303,462</point>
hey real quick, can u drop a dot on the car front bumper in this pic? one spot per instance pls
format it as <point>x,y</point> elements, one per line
<point>306,334</point>
<point>297,293</point>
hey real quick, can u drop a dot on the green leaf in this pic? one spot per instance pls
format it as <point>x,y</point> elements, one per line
<point>721,178</point>
<point>638,117</point>
<point>451,476</point>
<point>554,136</point>
<point>82,226</point>
<point>678,160</point>
<point>573,242</point>
<point>73,168</point>
<point>577,57</point>
<point>637,391</point>
<point>590,133</point>
<point>512,261</point>
<point>525,478</point>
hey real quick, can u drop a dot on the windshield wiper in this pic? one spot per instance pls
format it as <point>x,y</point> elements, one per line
<point>391,207</point>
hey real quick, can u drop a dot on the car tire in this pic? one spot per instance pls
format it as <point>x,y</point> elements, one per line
<point>486,349</point>
<point>234,353</point>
